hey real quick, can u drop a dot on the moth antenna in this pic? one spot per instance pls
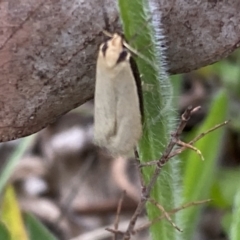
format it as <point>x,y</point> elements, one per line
<point>108,34</point>
<point>105,16</point>
<point>126,45</point>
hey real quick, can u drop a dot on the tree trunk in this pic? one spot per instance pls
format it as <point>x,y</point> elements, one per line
<point>48,51</point>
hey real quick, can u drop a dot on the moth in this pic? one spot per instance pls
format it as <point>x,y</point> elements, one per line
<point>118,107</point>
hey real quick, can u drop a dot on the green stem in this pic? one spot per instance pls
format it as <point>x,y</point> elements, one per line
<point>141,20</point>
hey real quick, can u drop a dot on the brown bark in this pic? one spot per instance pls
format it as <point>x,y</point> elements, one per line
<point>48,51</point>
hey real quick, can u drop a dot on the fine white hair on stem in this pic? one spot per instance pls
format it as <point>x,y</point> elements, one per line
<point>167,106</point>
<point>160,45</point>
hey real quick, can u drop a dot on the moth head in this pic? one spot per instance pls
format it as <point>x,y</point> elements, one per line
<point>113,52</point>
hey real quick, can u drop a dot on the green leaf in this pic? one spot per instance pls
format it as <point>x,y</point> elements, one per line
<point>140,18</point>
<point>218,199</point>
<point>199,175</point>
<point>36,230</point>
<point>13,160</point>
<point>235,226</point>
<point>226,222</point>
<point>225,180</point>
<point>4,232</point>
<point>11,215</point>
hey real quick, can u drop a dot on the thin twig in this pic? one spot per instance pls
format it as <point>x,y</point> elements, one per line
<point>137,159</point>
<point>144,226</point>
<point>101,233</point>
<point>178,151</point>
<point>116,223</point>
<point>74,189</point>
<point>163,160</point>
<point>165,213</point>
<point>189,146</point>
<point>147,225</point>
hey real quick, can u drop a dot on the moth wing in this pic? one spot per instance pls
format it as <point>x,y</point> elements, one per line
<point>129,124</point>
<point>105,108</point>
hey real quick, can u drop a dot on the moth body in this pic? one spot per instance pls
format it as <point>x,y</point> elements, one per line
<point>117,115</point>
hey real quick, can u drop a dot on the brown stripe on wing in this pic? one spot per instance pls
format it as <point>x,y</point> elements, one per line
<point>138,82</point>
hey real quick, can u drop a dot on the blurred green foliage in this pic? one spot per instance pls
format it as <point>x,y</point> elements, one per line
<point>198,176</point>
<point>4,232</point>
<point>36,230</point>
<point>209,179</point>
<point>200,180</point>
